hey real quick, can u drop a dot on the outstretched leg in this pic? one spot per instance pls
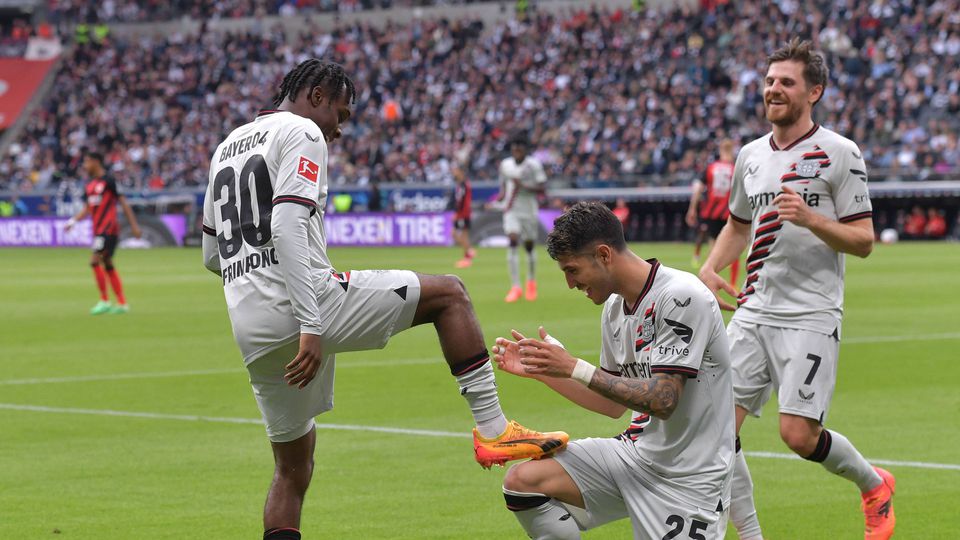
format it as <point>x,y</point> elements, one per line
<point>444,302</point>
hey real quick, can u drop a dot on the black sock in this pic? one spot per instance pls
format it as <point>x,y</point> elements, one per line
<point>284,533</point>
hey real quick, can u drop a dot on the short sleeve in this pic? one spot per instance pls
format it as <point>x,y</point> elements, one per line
<point>850,194</point>
<point>739,204</point>
<point>301,167</point>
<point>683,330</point>
<point>608,355</point>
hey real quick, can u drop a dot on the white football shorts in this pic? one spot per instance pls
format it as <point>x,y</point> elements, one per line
<point>612,490</point>
<point>526,226</point>
<point>370,307</point>
<point>800,365</point>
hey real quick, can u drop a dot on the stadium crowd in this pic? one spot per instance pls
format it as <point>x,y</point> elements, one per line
<point>158,10</point>
<point>605,95</point>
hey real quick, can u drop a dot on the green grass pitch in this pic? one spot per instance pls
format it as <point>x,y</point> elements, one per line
<point>143,425</point>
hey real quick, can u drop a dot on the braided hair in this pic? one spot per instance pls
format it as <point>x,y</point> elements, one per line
<point>327,75</point>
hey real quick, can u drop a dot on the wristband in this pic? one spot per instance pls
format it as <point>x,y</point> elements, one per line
<point>583,372</point>
<point>71,222</point>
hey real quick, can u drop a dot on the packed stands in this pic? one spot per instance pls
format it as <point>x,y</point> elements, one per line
<point>608,96</point>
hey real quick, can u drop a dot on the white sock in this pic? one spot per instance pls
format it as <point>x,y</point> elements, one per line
<point>743,511</point>
<point>513,264</point>
<point>479,388</point>
<point>532,265</point>
<point>843,459</point>
<point>542,517</point>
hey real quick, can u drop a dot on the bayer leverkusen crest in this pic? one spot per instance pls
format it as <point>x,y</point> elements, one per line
<point>808,169</point>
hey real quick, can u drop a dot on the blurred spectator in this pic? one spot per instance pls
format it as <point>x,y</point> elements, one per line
<point>936,227</point>
<point>915,225</point>
<point>622,211</point>
<point>610,96</point>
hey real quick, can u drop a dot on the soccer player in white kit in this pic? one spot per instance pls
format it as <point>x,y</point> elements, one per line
<point>291,311</point>
<point>800,201</point>
<point>664,356</point>
<point>522,180</point>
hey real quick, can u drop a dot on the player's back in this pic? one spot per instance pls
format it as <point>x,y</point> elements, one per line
<point>278,158</point>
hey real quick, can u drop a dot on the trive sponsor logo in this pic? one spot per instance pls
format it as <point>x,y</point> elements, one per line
<point>252,262</point>
<point>673,351</point>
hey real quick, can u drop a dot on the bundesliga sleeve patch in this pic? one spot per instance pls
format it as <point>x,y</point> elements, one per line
<point>308,170</point>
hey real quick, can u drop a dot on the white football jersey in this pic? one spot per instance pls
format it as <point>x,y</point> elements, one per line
<point>517,183</point>
<point>794,279</point>
<point>676,327</point>
<point>279,158</point>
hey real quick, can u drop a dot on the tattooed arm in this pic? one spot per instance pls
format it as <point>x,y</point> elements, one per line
<point>658,395</point>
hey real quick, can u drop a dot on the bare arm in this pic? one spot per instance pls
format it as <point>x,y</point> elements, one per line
<point>730,244</point>
<point>80,215</point>
<point>131,218</point>
<point>691,217</point>
<point>506,355</point>
<point>855,237</point>
<point>585,397</point>
<point>658,395</point>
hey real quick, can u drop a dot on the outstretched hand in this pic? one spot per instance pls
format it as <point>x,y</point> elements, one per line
<point>506,354</point>
<point>716,283</point>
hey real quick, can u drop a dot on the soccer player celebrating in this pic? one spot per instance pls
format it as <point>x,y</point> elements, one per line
<point>291,311</point>
<point>715,210</point>
<point>462,201</point>
<point>664,356</point>
<point>799,199</point>
<point>522,180</point>
<point>102,198</point>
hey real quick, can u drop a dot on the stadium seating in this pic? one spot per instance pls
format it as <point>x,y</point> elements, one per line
<point>610,97</point>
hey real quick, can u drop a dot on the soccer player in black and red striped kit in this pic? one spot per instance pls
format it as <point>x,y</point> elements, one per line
<point>714,210</point>
<point>102,198</point>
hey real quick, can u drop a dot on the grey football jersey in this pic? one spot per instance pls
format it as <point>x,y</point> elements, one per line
<point>516,179</point>
<point>278,158</point>
<point>676,327</point>
<point>793,278</point>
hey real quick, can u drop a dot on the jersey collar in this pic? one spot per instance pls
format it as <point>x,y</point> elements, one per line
<point>647,285</point>
<point>265,112</point>
<point>802,138</point>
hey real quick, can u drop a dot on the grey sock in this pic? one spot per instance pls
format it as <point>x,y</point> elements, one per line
<point>479,388</point>
<point>513,264</point>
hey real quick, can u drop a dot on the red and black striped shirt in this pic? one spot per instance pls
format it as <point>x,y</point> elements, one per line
<point>102,198</point>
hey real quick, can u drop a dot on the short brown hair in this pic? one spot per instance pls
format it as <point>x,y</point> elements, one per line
<point>814,67</point>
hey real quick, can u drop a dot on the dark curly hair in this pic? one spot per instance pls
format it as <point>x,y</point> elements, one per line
<point>584,224</point>
<point>327,75</point>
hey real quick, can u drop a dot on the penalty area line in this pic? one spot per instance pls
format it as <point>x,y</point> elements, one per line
<point>390,430</point>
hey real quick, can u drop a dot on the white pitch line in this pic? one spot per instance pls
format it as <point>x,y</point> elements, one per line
<point>389,363</point>
<point>189,373</point>
<point>392,430</point>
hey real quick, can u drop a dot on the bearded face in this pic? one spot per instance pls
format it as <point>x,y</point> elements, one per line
<point>786,96</point>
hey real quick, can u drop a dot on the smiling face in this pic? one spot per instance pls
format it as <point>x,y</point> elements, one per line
<point>787,98</point>
<point>588,273</point>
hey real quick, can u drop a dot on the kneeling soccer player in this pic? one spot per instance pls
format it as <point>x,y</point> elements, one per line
<point>664,356</point>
